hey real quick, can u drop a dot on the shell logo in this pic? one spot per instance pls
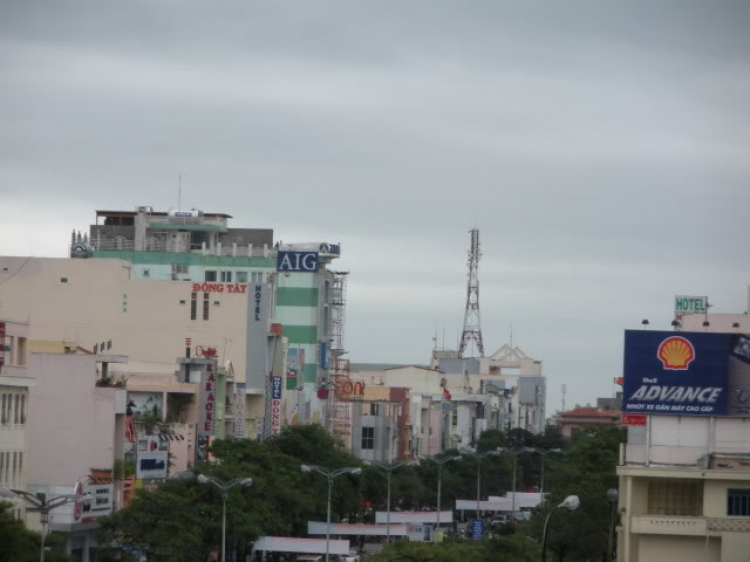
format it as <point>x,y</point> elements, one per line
<point>676,353</point>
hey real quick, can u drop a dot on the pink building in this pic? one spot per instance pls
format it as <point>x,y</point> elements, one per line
<point>76,432</point>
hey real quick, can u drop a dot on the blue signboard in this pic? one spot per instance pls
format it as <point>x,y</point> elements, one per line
<point>276,388</point>
<point>323,355</point>
<point>297,261</point>
<point>477,529</point>
<point>686,373</point>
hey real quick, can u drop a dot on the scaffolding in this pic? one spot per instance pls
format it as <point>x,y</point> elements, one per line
<point>340,411</point>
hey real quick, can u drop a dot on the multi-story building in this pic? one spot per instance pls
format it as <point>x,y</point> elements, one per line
<point>157,286</point>
<point>15,382</point>
<point>76,439</point>
<point>508,372</point>
<point>685,469</point>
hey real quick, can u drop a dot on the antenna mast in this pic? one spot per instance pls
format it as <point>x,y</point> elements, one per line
<point>472,328</point>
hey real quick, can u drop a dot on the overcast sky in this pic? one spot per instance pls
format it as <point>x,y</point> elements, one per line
<point>602,148</point>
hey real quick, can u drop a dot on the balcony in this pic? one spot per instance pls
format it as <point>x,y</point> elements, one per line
<point>692,526</point>
<point>669,525</point>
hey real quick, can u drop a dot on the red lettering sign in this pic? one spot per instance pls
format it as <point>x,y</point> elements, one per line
<point>219,288</point>
<point>633,419</point>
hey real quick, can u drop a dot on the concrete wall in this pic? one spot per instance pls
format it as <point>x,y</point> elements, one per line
<point>145,320</point>
<point>655,548</point>
<point>72,429</point>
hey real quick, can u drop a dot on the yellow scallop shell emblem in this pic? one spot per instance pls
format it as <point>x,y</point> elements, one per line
<point>676,353</point>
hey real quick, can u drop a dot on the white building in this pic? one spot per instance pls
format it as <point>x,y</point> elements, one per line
<point>15,383</point>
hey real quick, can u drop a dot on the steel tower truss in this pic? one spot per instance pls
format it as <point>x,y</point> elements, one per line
<point>472,331</point>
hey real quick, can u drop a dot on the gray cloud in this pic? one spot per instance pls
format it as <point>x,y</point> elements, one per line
<point>600,147</point>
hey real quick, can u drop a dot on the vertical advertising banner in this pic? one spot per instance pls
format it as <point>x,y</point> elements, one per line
<point>686,373</point>
<point>2,343</point>
<point>207,400</point>
<point>256,354</point>
<point>275,405</point>
<point>239,410</point>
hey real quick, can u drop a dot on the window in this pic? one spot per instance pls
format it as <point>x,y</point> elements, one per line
<point>179,268</point>
<point>17,409</point>
<point>23,409</point>
<point>374,409</point>
<point>205,306</point>
<point>242,277</point>
<point>675,497</point>
<point>2,408</point>
<point>738,502</point>
<point>368,438</point>
<point>211,276</point>
<point>193,306</point>
<point>226,276</point>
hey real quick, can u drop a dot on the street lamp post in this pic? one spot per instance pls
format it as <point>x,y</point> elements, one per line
<point>543,453</point>
<point>479,457</point>
<point>515,465</point>
<point>439,463</point>
<point>40,502</point>
<point>388,468</point>
<point>224,488</point>
<point>331,476</point>
<point>571,503</point>
<point>612,495</point>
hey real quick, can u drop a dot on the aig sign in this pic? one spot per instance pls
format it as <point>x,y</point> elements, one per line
<point>297,261</point>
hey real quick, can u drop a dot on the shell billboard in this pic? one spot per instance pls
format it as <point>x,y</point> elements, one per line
<point>686,373</point>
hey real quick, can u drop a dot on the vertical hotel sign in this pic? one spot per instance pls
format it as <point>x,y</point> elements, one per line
<point>256,349</point>
<point>207,400</point>
<point>2,344</point>
<point>275,405</point>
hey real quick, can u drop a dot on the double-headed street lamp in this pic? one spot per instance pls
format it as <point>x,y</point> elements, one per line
<point>439,462</point>
<point>44,505</point>
<point>543,453</point>
<point>571,503</point>
<point>388,468</point>
<point>224,487</point>
<point>479,457</point>
<point>515,454</point>
<point>331,476</point>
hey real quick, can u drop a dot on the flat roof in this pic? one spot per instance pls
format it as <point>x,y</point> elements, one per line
<point>101,213</point>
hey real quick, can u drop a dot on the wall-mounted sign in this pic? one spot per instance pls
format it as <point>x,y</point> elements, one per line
<point>693,374</point>
<point>633,419</point>
<point>349,389</point>
<point>207,400</point>
<point>207,352</point>
<point>152,464</point>
<point>2,343</point>
<point>275,405</point>
<point>684,304</point>
<point>220,288</point>
<point>100,504</point>
<point>297,261</point>
<point>256,348</point>
<point>295,362</point>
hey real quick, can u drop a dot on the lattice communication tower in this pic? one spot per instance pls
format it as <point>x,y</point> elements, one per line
<point>472,331</point>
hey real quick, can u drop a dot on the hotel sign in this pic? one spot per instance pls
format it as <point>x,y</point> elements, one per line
<point>275,405</point>
<point>690,305</point>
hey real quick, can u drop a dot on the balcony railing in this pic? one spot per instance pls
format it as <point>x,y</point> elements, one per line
<point>675,525</point>
<point>669,525</point>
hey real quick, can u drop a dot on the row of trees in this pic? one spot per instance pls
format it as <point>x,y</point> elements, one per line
<point>181,519</point>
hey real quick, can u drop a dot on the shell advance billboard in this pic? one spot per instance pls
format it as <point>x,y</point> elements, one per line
<point>686,373</point>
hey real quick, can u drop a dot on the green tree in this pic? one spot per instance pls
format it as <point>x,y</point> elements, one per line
<point>587,471</point>
<point>19,544</point>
